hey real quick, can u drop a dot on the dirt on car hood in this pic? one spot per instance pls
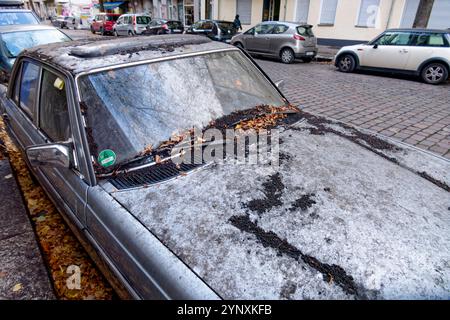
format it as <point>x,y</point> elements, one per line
<point>345,215</point>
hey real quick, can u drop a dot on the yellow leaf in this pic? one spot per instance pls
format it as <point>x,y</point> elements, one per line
<point>17,287</point>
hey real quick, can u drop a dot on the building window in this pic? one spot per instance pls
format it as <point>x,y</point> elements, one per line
<point>368,12</point>
<point>440,15</point>
<point>302,10</point>
<point>244,10</point>
<point>328,12</point>
<point>409,13</point>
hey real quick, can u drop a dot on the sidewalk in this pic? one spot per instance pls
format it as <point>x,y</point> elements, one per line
<point>22,271</point>
<point>326,52</point>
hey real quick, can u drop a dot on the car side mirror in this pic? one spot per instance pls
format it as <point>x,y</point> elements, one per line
<point>375,46</point>
<point>49,155</point>
<point>280,84</point>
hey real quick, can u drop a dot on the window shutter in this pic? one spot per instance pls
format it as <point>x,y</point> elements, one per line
<point>301,14</point>
<point>368,12</point>
<point>244,10</point>
<point>328,12</point>
<point>409,13</point>
<point>440,15</point>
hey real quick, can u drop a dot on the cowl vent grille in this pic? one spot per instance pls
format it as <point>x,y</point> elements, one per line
<point>151,175</point>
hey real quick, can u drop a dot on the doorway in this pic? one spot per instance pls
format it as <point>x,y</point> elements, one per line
<point>271,10</point>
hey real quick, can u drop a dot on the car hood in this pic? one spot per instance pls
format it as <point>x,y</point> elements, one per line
<point>345,215</point>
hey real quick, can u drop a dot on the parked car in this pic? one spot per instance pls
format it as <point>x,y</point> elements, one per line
<point>104,23</point>
<point>17,16</point>
<point>284,40</point>
<point>164,26</point>
<point>418,52</point>
<point>64,22</point>
<point>15,39</point>
<point>339,216</point>
<point>218,30</point>
<point>131,24</point>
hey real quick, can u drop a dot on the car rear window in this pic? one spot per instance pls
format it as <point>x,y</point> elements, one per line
<point>142,20</point>
<point>8,18</point>
<point>305,31</point>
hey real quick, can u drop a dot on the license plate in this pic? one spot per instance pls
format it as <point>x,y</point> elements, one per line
<point>309,53</point>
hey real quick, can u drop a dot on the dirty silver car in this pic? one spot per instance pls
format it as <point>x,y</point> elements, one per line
<point>345,214</point>
<point>285,40</point>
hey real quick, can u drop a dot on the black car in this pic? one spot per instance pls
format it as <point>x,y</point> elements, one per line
<point>164,26</point>
<point>218,30</point>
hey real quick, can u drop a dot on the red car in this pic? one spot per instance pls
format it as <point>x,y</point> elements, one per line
<point>103,23</point>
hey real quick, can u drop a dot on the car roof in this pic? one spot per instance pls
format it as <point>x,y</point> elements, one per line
<point>85,55</point>
<point>24,27</point>
<point>289,23</point>
<point>419,30</point>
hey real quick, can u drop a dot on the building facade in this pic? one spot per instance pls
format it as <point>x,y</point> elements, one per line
<point>335,22</point>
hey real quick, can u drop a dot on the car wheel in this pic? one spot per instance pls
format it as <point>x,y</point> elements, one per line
<point>287,55</point>
<point>306,60</point>
<point>346,63</point>
<point>435,73</point>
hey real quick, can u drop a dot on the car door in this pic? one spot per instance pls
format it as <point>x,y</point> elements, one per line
<point>96,23</point>
<point>259,41</point>
<point>119,25</point>
<point>57,124</point>
<point>278,37</point>
<point>34,114</point>
<point>390,51</point>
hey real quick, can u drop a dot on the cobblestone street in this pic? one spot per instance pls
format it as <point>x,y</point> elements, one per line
<point>398,107</point>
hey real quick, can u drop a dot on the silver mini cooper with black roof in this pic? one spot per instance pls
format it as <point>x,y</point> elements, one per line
<point>340,214</point>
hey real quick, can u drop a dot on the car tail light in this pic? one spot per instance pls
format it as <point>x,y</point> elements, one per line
<point>165,26</point>
<point>299,37</point>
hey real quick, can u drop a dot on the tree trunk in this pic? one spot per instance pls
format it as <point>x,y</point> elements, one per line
<point>423,13</point>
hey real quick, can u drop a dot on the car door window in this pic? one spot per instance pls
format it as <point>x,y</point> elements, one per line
<point>28,88</point>
<point>278,29</point>
<point>264,28</point>
<point>250,31</point>
<point>208,25</point>
<point>396,39</point>
<point>53,111</point>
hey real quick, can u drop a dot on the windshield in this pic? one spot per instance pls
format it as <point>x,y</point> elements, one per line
<point>15,42</point>
<point>8,18</point>
<point>131,108</point>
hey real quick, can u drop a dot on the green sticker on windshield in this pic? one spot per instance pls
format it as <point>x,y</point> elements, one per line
<point>107,158</point>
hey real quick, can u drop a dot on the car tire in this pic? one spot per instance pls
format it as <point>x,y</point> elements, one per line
<point>434,73</point>
<point>306,60</point>
<point>287,55</point>
<point>346,63</point>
